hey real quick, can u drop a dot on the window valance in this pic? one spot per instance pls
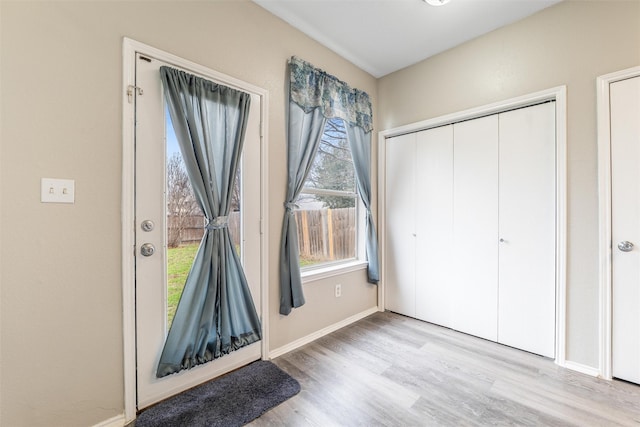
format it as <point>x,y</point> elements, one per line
<point>313,88</point>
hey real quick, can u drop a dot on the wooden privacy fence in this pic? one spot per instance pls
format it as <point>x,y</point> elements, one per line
<point>323,235</point>
<point>327,234</point>
<point>192,228</point>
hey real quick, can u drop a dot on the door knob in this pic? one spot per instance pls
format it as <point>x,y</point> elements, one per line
<point>625,246</point>
<point>147,249</point>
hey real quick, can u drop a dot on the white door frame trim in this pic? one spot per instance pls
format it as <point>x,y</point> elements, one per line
<point>129,49</point>
<point>557,94</point>
<point>604,206</point>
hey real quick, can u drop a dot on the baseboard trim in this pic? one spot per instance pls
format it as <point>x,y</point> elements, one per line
<point>584,369</point>
<point>117,421</point>
<point>322,332</point>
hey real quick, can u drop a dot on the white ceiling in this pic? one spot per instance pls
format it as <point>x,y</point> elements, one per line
<point>382,36</point>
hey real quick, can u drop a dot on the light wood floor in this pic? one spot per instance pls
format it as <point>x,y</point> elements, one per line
<point>390,370</point>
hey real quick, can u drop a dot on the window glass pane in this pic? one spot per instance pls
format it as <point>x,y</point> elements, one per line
<point>186,222</point>
<point>333,167</point>
<point>234,212</point>
<point>327,213</point>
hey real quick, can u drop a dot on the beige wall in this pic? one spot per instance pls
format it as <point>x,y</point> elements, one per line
<point>61,297</point>
<point>568,44</point>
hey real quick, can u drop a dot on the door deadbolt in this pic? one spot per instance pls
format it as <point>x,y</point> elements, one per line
<point>147,249</point>
<point>147,225</point>
<point>625,246</point>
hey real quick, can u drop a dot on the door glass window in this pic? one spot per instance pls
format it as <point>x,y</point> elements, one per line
<point>186,222</point>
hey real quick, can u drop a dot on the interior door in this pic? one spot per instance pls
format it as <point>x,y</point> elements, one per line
<point>400,246</point>
<point>154,147</point>
<point>625,227</point>
<point>527,212</point>
<point>434,224</point>
<point>475,227</point>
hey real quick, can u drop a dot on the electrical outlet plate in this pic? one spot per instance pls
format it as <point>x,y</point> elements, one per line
<point>57,190</point>
<point>338,291</point>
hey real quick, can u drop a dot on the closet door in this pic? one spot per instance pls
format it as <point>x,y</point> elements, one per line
<point>434,224</point>
<point>400,295</point>
<point>475,227</point>
<point>625,227</point>
<point>526,304</point>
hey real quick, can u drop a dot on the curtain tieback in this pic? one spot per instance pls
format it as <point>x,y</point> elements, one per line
<point>217,223</point>
<point>289,206</point>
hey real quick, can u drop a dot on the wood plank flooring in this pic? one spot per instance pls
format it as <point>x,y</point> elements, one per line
<point>391,370</point>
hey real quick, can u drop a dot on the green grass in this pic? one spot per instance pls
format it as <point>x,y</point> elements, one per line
<point>179,262</point>
<point>306,262</point>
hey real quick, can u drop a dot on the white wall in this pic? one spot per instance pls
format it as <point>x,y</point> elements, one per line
<point>567,44</point>
<point>61,299</point>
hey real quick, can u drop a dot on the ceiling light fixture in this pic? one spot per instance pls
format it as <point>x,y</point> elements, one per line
<point>436,2</point>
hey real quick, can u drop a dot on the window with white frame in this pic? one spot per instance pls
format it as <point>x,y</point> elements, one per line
<point>327,215</point>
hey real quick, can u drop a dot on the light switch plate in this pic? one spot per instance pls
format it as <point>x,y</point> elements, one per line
<point>57,190</point>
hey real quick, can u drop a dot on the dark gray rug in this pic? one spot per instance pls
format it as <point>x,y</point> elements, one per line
<point>231,400</point>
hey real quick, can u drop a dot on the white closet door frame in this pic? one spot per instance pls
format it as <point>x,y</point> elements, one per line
<point>558,94</point>
<point>604,201</point>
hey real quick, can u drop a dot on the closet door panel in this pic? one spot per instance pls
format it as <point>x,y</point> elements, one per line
<point>400,225</point>
<point>434,224</point>
<point>526,304</point>
<point>475,227</point>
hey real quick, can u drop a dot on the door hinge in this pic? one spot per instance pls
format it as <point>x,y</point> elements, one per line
<point>131,90</point>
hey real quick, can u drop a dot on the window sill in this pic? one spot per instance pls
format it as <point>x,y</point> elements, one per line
<point>334,270</point>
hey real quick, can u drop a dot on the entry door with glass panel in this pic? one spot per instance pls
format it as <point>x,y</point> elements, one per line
<point>169,227</point>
